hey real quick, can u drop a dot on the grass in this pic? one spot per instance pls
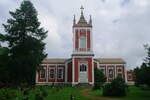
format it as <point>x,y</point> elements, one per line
<point>54,93</point>
<point>64,93</point>
<point>96,92</point>
<point>134,93</point>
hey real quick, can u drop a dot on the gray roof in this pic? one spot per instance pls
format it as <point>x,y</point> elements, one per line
<point>110,60</point>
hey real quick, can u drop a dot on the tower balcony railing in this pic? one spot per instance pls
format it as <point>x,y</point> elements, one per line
<point>83,50</point>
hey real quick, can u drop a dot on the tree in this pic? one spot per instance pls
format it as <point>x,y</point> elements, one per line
<point>99,78</point>
<point>4,77</point>
<point>142,72</point>
<point>25,41</point>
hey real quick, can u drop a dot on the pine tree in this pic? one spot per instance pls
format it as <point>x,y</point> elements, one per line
<point>25,41</point>
<point>142,73</point>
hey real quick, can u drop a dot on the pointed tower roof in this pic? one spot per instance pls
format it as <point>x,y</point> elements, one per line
<point>82,21</point>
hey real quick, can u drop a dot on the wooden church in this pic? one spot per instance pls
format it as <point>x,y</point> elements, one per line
<point>79,69</point>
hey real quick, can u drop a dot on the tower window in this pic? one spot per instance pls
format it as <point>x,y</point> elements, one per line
<point>82,42</point>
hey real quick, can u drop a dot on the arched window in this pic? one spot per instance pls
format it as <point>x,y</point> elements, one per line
<point>83,68</point>
<point>82,42</point>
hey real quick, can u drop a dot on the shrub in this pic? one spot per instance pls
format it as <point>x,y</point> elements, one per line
<point>116,88</point>
<point>107,89</point>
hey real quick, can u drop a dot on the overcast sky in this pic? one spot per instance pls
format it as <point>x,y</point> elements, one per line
<point>120,27</point>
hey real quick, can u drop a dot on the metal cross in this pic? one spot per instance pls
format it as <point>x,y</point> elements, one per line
<point>82,8</point>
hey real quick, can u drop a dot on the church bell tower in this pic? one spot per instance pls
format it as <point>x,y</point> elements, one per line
<point>83,68</point>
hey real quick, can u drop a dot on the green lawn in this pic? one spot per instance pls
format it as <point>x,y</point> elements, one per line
<point>53,93</point>
<point>133,93</point>
<point>64,93</point>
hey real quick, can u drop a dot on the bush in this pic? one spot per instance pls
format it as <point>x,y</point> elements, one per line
<point>116,88</point>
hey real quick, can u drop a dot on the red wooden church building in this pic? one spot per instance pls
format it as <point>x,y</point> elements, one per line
<point>80,67</point>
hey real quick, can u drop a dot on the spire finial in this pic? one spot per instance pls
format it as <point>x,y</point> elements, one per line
<point>82,19</point>
<point>82,9</point>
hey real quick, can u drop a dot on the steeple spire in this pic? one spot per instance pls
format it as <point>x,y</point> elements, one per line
<point>82,19</point>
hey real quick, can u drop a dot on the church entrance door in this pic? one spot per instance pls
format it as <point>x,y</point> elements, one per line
<point>83,76</point>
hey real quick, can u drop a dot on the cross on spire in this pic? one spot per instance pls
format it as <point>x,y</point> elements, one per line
<point>82,19</point>
<point>82,9</point>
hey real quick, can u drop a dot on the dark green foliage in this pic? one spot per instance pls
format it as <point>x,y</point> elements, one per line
<point>116,88</point>
<point>6,94</point>
<point>26,49</point>
<point>99,79</point>
<point>4,70</point>
<point>38,97</point>
<point>143,72</point>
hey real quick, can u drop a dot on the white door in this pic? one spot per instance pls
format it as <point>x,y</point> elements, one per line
<point>83,73</point>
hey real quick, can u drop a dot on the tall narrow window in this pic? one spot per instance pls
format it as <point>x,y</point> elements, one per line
<point>110,73</point>
<point>82,42</point>
<point>51,73</point>
<point>60,73</point>
<point>43,73</point>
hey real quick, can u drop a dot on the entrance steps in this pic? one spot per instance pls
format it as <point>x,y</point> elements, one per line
<point>85,85</point>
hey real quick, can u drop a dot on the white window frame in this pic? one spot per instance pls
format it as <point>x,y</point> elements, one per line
<point>50,73</point>
<point>61,73</point>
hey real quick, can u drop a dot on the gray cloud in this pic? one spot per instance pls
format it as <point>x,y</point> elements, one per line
<point>120,27</point>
